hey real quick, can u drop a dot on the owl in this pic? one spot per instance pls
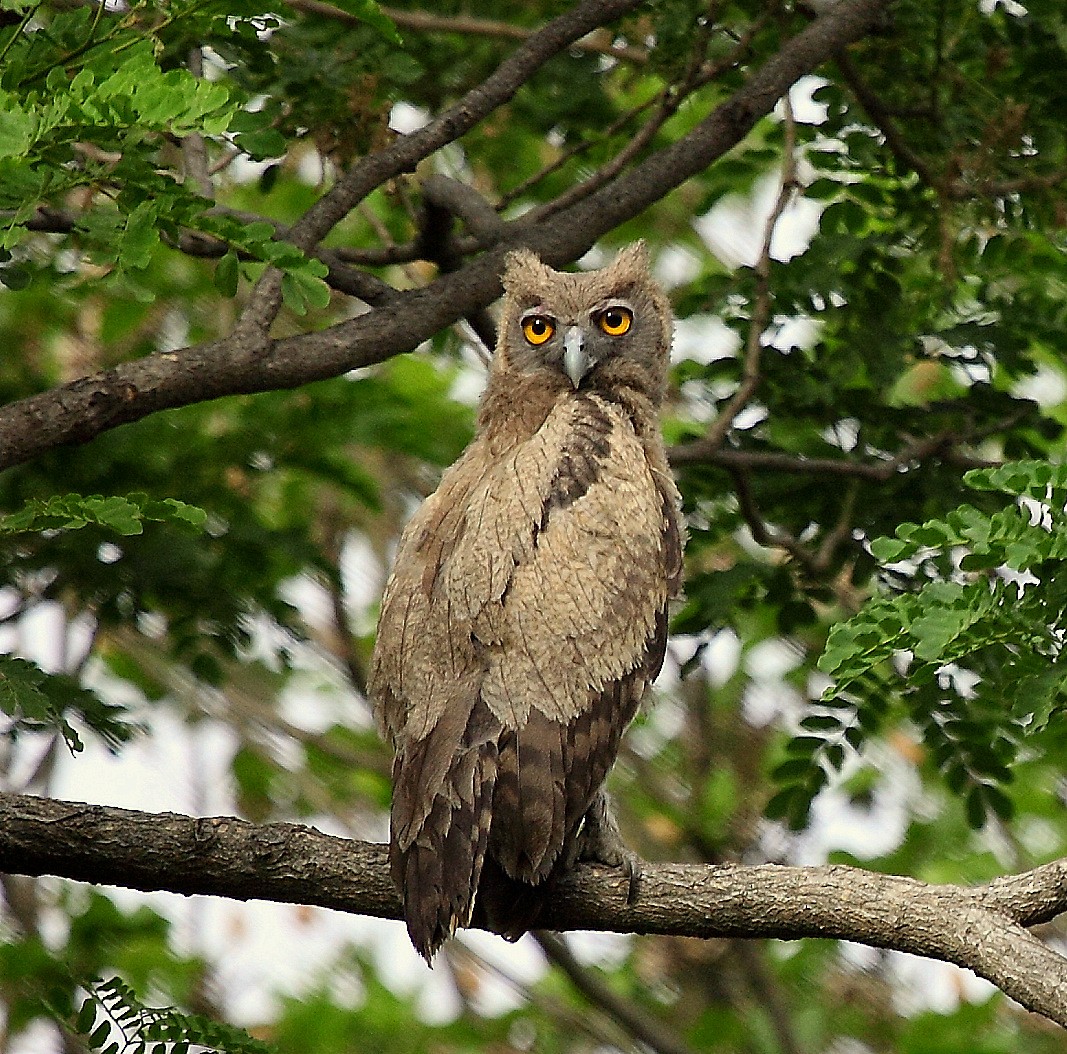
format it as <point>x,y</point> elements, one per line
<point>526,613</point>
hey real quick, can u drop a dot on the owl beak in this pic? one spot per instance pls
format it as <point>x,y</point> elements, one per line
<point>576,362</point>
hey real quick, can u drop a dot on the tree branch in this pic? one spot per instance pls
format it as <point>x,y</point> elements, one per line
<point>597,42</point>
<point>761,301</point>
<point>342,277</point>
<point>943,446</point>
<point>980,928</point>
<point>250,361</point>
<point>404,154</point>
<point>881,119</point>
<point>654,1034</point>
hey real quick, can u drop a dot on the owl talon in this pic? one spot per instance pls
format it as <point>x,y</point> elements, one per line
<point>602,844</point>
<point>632,866</point>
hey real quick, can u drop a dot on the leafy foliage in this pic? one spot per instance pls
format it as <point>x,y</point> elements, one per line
<point>113,1020</point>
<point>123,515</point>
<point>81,78</point>
<point>972,648</point>
<point>35,701</point>
<point>871,632</point>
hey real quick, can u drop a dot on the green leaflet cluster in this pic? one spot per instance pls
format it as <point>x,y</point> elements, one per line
<point>967,643</point>
<point>32,700</point>
<point>92,107</point>
<point>121,514</point>
<point>113,1020</point>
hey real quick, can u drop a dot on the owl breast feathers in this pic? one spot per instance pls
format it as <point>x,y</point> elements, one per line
<point>526,614</point>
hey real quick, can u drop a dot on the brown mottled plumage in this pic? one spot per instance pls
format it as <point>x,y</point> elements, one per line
<point>527,610</point>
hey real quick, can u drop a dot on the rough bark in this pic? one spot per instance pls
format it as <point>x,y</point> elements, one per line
<point>983,928</point>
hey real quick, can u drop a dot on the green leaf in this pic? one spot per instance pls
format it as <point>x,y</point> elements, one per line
<point>939,627</point>
<point>226,275</point>
<point>890,550</point>
<point>20,693</point>
<point>262,144</point>
<point>15,277</point>
<point>86,1016</point>
<point>141,236</point>
<point>17,128</point>
<point>821,723</point>
<point>301,289</point>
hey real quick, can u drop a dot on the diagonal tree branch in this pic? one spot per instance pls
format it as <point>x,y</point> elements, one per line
<point>761,301</point>
<point>249,361</point>
<point>980,928</point>
<point>408,150</point>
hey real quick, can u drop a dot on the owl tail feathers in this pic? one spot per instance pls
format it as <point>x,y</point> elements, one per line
<point>438,874</point>
<point>509,906</point>
<point>442,807</point>
<point>436,904</point>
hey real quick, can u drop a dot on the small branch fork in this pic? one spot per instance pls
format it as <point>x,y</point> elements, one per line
<point>955,188</point>
<point>984,928</point>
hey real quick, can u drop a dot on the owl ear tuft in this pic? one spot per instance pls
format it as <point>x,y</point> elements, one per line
<point>632,260</point>
<point>520,266</point>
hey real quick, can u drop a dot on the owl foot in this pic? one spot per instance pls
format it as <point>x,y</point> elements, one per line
<point>602,843</point>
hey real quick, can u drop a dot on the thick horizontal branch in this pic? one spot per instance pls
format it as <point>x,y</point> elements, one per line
<point>252,362</point>
<point>981,928</point>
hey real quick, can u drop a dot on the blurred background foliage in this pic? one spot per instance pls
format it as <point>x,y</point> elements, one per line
<point>208,577</point>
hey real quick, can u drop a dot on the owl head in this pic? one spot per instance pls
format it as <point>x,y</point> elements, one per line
<point>594,329</point>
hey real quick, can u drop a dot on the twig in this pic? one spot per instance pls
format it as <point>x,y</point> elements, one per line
<point>761,304</point>
<point>699,452</point>
<point>961,189</point>
<point>642,1026</point>
<point>194,149</point>
<point>245,705</point>
<point>551,1005</point>
<point>767,990</point>
<point>579,148</point>
<point>954,188</point>
<point>597,42</point>
<point>762,533</point>
<point>668,101</point>
<point>341,276</point>
<point>345,648</point>
<point>839,532</point>
<point>884,123</point>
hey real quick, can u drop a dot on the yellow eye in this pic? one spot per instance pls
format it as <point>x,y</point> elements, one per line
<point>616,321</point>
<point>537,329</point>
